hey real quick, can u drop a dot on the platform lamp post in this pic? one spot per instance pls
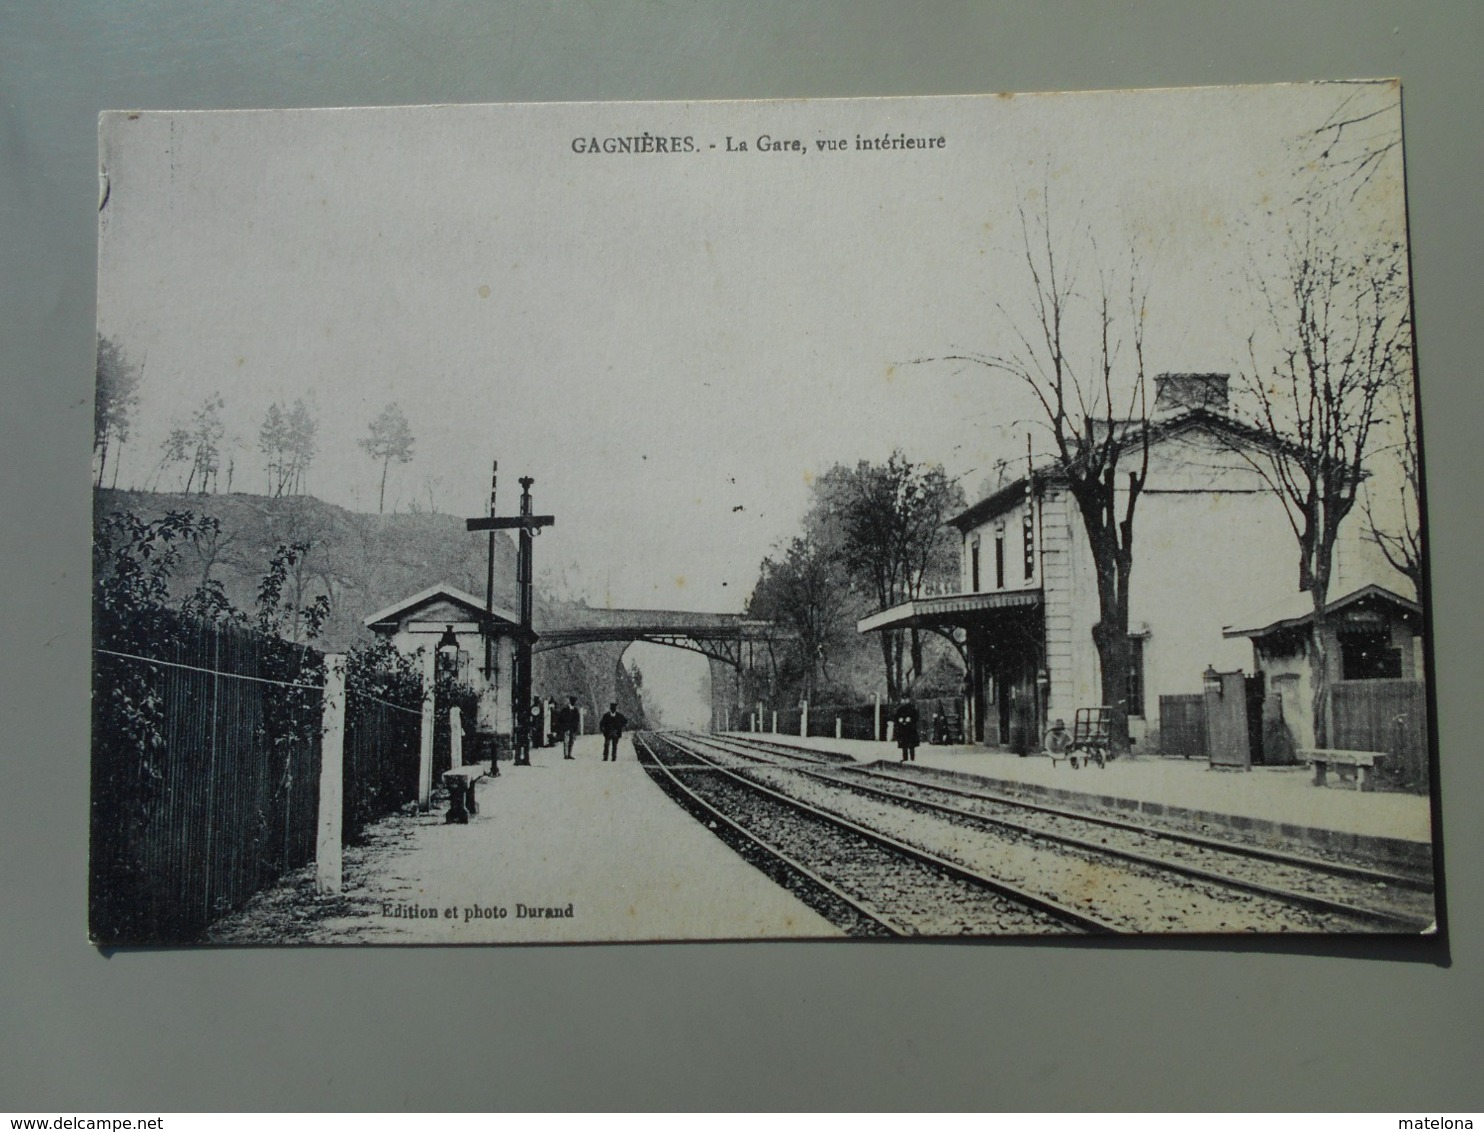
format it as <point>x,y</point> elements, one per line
<point>527,524</point>
<point>447,651</point>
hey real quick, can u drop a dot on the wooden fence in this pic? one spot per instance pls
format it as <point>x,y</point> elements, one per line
<point>1182,725</point>
<point>206,757</point>
<point>1385,715</point>
<point>205,768</point>
<point>858,721</point>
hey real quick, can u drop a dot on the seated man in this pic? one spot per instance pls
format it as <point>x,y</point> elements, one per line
<point>1058,740</point>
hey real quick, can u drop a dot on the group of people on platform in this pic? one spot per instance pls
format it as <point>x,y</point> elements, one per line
<point>551,725</point>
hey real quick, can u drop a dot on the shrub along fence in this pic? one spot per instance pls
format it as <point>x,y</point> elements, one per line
<point>382,741</point>
<point>206,759</point>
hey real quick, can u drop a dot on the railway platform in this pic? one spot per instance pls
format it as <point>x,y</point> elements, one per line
<point>558,852</point>
<point>1265,803</point>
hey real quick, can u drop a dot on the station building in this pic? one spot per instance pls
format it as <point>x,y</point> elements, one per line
<point>1211,544</point>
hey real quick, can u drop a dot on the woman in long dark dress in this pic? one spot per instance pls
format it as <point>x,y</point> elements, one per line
<point>905,721</point>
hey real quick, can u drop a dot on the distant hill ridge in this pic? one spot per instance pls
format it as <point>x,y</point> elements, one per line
<point>361,562</point>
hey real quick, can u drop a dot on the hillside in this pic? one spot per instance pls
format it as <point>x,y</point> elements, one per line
<point>361,562</point>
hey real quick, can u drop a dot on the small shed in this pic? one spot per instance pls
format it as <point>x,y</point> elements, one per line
<point>419,622</point>
<point>1372,635</point>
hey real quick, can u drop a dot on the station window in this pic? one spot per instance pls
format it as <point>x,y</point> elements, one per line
<point>974,567</point>
<point>1028,544</point>
<point>1368,655</point>
<point>999,560</point>
<point>1136,677</point>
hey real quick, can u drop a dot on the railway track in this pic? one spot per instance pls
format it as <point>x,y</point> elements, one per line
<point>864,880</point>
<point>1127,876</point>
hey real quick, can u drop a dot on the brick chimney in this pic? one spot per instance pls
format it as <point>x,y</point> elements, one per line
<point>1176,391</point>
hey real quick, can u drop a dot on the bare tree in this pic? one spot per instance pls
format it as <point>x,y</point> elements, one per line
<point>1398,531</point>
<point>1082,359</point>
<point>390,439</point>
<point>116,397</point>
<point>1340,339</point>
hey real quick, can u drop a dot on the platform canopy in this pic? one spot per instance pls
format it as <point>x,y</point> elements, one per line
<point>962,610</point>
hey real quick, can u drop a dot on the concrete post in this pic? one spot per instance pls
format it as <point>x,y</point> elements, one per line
<point>425,751</point>
<point>876,726</point>
<point>804,721</point>
<point>890,728</point>
<point>775,721</point>
<point>455,738</point>
<point>839,728</point>
<point>582,721</point>
<point>327,859</point>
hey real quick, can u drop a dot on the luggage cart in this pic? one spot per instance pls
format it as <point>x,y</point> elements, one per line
<point>1090,730</point>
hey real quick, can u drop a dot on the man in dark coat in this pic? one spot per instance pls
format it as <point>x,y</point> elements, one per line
<point>612,725</point>
<point>568,720</point>
<point>905,720</point>
<point>538,723</point>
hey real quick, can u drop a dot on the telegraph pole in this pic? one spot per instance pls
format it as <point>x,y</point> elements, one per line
<point>527,524</point>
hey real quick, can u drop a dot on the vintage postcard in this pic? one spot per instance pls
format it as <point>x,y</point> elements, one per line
<point>961,516</point>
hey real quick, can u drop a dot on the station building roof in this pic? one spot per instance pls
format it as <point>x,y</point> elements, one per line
<point>948,609</point>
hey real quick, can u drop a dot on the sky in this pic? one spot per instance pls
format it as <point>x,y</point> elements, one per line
<point>674,345</point>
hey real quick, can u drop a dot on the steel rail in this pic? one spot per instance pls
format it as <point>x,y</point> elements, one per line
<point>1310,901</point>
<point>1276,856</point>
<point>1043,904</point>
<point>873,915</point>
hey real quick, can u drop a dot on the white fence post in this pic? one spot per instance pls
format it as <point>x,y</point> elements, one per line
<point>425,752</point>
<point>455,737</point>
<point>775,721</point>
<point>839,731</point>
<point>327,857</point>
<point>804,721</point>
<point>876,726</point>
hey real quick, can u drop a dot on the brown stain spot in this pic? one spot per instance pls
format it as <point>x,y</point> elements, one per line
<point>680,582</point>
<point>241,361</point>
<point>632,912</point>
<point>1005,94</point>
<point>484,290</point>
<point>891,373</point>
<point>808,478</point>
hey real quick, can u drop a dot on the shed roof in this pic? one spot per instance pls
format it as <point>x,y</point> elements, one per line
<point>392,614</point>
<point>1297,611</point>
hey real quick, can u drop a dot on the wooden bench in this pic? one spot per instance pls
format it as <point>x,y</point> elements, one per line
<point>459,782</point>
<point>1362,762</point>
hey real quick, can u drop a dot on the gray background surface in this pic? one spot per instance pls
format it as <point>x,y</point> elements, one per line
<point>1189,1025</point>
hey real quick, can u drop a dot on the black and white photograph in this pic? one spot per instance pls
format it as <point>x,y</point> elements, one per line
<point>970,516</point>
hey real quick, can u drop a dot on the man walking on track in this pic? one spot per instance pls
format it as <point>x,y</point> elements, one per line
<point>612,725</point>
<point>568,720</point>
